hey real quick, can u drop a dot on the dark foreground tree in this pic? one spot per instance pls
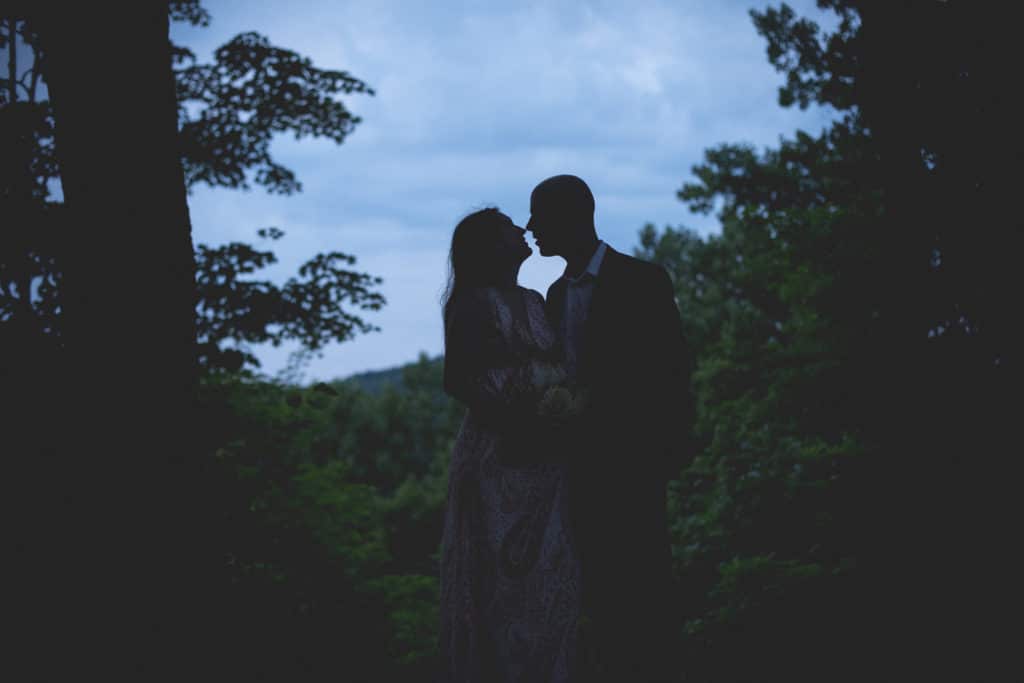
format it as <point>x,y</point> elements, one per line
<point>115,536</point>
<point>228,112</point>
<point>99,303</point>
<point>848,518</point>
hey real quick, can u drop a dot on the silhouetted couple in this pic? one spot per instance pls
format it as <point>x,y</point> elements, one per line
<point>555,557</point>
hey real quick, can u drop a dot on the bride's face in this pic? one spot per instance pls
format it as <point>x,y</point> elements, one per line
<point>512,246</point>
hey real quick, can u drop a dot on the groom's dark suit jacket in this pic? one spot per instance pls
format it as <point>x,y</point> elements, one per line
<point>636,434</point>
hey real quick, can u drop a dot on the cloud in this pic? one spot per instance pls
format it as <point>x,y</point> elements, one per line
<point>476,103</point>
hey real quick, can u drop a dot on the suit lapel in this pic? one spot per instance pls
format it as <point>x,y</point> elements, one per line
<point>556,304</point>
<point>595,325</point>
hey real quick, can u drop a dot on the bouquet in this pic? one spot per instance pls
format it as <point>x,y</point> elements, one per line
<point>562,402</point>
<point>547,375</point>
<point>559,400</point>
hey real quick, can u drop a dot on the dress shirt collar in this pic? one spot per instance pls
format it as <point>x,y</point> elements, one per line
<point>594,267</point>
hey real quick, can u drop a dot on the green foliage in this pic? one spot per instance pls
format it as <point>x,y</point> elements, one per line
<point>341,516</point>
<point>396,432</point>
<point>762,512</point>
<point>847,294</point>
<point>412,605</point>
<point>320,543</point>
<point>412,517</point>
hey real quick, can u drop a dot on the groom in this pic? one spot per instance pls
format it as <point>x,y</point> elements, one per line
<point>623,340</point>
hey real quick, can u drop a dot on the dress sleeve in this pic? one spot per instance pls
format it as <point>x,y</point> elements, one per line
<point>481,371</point>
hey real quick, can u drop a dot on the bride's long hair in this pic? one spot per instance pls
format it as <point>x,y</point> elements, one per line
<point>471,260</point>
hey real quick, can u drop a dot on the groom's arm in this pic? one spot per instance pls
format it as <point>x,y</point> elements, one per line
<point>672,361</point>
<point>553,303</point>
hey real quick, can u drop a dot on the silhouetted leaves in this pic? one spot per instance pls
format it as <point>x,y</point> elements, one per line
<point>29,274</point>
<point>190,11</point>
<point>820,68</point>
<point>230,110</point>
<point>310,309</point>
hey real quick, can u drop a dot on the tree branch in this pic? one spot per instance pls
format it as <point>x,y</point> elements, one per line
<point>36,73</point>
<point>12,60</point>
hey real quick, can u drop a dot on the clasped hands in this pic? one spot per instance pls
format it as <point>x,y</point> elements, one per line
<point>560,399</point>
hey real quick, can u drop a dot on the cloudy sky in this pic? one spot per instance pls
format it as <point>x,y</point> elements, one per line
<point>477,102</point>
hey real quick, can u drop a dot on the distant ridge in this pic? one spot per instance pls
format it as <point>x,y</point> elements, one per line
<point>374,381</point>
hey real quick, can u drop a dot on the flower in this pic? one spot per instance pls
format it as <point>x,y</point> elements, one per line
<point>546,375</point>
<point>560,402</point>
<point>556,402</point>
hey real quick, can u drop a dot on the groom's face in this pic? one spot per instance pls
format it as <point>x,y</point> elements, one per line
<point>546,226</point>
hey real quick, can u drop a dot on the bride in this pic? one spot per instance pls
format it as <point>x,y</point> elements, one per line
<point>510,573</point>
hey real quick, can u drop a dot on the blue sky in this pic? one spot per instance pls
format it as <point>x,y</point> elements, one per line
<point>477,102</point>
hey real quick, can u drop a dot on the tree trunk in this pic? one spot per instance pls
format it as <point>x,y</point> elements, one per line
<point>937,75</point>
<point>120,520</point>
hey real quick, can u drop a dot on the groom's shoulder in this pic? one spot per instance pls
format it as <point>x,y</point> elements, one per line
<point>636,269</point>
<point>555,287</point>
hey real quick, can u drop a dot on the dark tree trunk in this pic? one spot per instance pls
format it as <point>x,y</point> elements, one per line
<point>117,539</point>
<point>937,78</point>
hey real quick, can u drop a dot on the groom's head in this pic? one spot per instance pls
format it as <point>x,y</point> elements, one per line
<point>561,215</point>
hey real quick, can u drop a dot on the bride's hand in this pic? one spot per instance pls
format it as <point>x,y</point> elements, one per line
<point>547,375</point>
<point>560,404</point>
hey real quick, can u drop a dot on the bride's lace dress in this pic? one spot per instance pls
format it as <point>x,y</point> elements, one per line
<point>510,577</point>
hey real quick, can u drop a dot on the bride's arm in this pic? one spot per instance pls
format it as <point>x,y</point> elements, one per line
<point>480,371</point>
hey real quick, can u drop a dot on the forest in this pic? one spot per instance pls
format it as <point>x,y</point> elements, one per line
<point>845,512</point>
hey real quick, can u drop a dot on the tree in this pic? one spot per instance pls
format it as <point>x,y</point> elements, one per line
<point>763,530</point>
<point>28,166</point>
<point>856,344</point>
<point>100,322</point>
<point>253,91</point>
<point>228,112</point>
<point>330,517</point>
<point>309,310</point>
<point>119,483</point>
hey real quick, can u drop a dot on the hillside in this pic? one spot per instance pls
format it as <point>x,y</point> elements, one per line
<point>374,381</point>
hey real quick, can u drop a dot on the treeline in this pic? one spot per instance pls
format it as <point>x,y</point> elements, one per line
<point>327,515</point>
